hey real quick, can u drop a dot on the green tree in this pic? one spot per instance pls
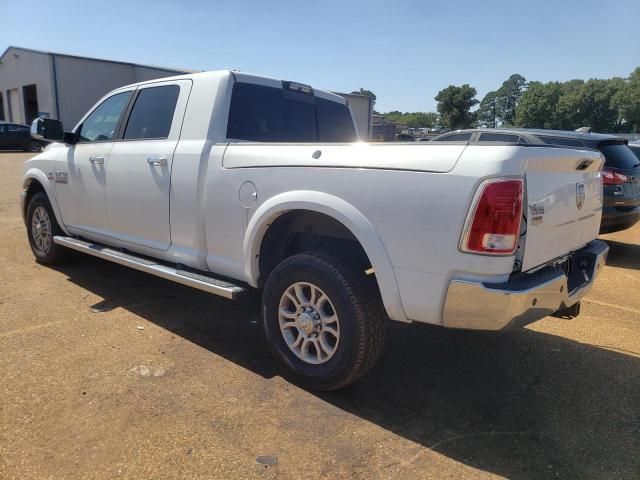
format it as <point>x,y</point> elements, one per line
<point>413,119</point>
<point>367,93</point>
<point>567,115</point>
<point>537,107</point>
<point>454,105</point>
<point>487,113</point>
<point>507,98</point>
<point>626,101</point>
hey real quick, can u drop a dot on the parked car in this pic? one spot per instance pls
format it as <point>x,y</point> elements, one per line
<point>405,137</point>
<point>621,174</point>
<point>228,182</point>
<point>14,136</point>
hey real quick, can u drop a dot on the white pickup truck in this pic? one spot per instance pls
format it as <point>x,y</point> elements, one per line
<point>227,182</point>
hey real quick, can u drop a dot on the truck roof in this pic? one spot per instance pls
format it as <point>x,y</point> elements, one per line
<point>244,77</point>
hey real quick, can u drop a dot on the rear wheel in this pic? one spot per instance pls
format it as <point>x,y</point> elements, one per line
<point>41,228</point>
<point>324,320</point>
<point>32,146</point>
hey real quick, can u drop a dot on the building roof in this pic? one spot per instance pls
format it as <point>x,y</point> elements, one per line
<point>158,67</point>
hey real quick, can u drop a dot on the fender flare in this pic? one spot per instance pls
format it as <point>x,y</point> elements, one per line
<point>41,178</point>
<point>339,210</point>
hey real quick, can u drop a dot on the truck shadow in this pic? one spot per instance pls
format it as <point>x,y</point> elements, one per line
<point>521,404</point>
<point>623,255</point>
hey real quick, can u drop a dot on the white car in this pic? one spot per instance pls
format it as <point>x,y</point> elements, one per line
<point>227,182</point>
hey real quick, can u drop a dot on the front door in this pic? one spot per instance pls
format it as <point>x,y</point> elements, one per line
<point>139,165</point>
<point>80,175</point>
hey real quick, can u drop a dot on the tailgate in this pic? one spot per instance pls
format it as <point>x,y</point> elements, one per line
<point>563,202</point>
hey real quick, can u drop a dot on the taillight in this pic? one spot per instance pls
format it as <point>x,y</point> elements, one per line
<point>495,225</point>
<point>613,178</point>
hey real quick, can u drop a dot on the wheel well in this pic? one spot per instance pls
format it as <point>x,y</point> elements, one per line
<point>33,187</point>
<point>304,231</point>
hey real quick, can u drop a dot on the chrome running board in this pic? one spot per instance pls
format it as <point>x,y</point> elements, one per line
<point>190,278</point>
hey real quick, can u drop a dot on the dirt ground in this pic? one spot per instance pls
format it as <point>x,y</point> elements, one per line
<point>110,373</point>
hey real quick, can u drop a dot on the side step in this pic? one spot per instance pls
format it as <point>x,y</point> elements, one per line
<point>191,278</point>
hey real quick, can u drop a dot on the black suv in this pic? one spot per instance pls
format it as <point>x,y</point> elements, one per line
<point>14,136</point>
<point>621,173</point>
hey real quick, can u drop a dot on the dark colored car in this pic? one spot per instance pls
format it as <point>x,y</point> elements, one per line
<point>621,173</point>
<point>14,136</point>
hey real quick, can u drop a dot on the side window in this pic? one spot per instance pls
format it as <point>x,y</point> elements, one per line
<point>334,122</point>
<point>499,137</point>
<point>152,113</point>
<point>101,124</point>
<point>456,137</point>
<point>17,129</point>
<point>568,142</point>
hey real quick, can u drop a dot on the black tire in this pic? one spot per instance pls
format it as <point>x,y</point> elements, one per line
<point>32,146</point>
<point>50,253</point>
<point>356,301</point>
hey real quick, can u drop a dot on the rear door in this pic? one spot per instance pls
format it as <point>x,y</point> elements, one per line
<point>17,136</point>
<point>138,173</point>
<point>4,139</point>
<point>563,204</point>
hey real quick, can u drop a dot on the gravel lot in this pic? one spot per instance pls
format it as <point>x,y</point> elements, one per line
<point>109,373</point>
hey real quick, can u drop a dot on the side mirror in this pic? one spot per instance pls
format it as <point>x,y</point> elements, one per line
<point>47,130</point>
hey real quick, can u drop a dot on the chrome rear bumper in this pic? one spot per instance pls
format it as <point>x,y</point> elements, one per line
<point>524,298</point>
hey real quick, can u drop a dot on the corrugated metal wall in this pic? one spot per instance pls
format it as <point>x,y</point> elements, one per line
<point>362,108</point>
<point>82,82</point>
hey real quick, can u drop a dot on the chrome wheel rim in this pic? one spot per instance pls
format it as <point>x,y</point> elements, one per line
<point>41,229</point>
<point>309,323</point>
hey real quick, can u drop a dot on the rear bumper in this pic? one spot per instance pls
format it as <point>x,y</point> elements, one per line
<point>614,220</point>
<point>525,299</point>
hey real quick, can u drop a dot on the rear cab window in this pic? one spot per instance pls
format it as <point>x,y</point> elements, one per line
<point>267,114</point>
<point>618,155</point>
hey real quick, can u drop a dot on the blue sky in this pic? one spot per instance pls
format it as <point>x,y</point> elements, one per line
<point>405,51</point>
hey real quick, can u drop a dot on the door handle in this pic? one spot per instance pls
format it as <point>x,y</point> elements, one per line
<point>157,161</point>
<point>96,160</point>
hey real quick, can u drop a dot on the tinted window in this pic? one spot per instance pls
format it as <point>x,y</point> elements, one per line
<point>152,113</point>
<point>636,150</point>
<point>457,137</point>
<point>567,142</point>
<point>267,114</point>
<point>334,122</point>
<point>17,129</point>
<point>619,156</point>
<point>499,137</point>
<point>101,124</point>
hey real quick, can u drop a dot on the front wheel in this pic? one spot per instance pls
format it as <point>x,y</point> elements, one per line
<point>323,319</point>
<point>41,228</point>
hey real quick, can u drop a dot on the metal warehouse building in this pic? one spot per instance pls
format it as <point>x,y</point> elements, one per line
<point>35,83</point>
